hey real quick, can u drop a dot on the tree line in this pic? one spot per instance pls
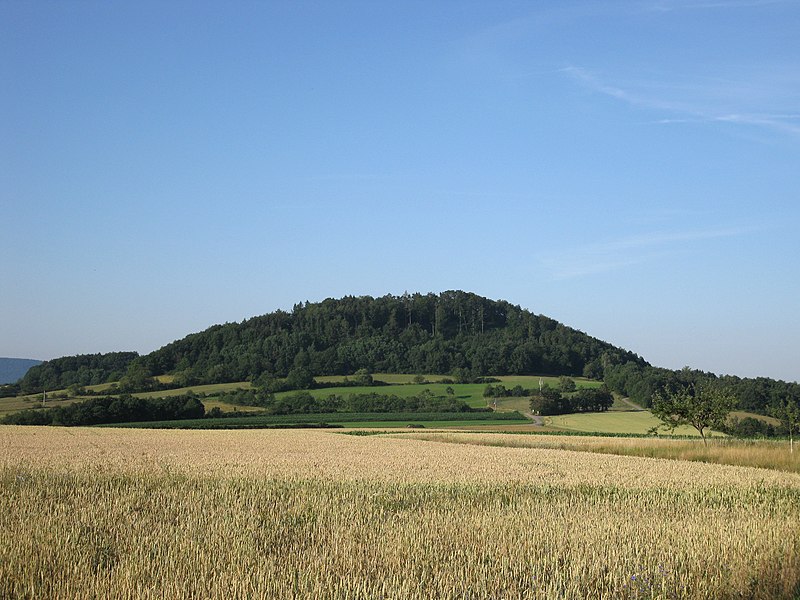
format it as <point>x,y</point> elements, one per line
<point>80,370</point>
<point>111,409</point>
<point>644,383</point>
<point>550,401</point>
<point>563,400</point>
<point>304,402</point>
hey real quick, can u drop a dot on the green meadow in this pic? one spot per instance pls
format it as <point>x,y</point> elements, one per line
<point>471,393</point>
<point>623,418</point>
<point>635,422</point>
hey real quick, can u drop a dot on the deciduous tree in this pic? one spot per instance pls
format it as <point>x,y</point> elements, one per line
<point>700,406</point>
<point>788,413</point>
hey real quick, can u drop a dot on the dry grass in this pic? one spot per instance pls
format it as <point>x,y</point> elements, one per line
<point>91,513</point>
<point>765,454</point>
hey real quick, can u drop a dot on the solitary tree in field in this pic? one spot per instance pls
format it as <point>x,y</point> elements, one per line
<point>566,384</point>
<point>700,406</point>
<point>363,377</point>
<point>788,413</point>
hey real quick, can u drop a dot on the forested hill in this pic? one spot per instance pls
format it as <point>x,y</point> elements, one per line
<point>83,369</point>
<point>454,332</point>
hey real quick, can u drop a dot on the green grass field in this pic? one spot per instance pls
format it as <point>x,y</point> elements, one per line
<point>471,393</point>
<point>532,381</point>
<point>208,390</point>
<point>738,414</point>
<point>637,422</point>
<point>522,405</point>
<point>526,381</point>
<point>211,403</point>
<point>431,424</point>
<point>393,378</point>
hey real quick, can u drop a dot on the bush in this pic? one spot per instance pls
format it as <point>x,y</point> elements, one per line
<point>748,427</point>
<point>550,402</point>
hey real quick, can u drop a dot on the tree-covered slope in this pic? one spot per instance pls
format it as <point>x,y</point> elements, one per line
<point>641,382</point>
<point>83,369</point>
<point>453,332</point>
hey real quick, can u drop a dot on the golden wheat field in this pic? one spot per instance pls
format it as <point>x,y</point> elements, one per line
<point>112,513</point>
<point>769,454</point>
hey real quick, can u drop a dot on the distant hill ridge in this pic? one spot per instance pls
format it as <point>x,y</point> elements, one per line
<point>454,332</point>
<point>13,369</point>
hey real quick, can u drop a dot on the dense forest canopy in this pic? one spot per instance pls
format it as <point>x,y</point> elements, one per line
<point>450,333</point>
<point>641,382</point>
<point>82,370</point>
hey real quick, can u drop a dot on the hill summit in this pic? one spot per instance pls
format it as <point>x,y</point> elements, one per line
<point>451,332</point>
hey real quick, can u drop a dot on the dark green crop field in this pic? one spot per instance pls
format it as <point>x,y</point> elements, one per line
<point>343,419</point>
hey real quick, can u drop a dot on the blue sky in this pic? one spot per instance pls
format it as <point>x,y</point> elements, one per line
<point>630,168</point>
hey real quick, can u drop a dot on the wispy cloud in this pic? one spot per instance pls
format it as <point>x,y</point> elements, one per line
<point>673,5</point>
<point>627,251</point>
<point>708,100</point>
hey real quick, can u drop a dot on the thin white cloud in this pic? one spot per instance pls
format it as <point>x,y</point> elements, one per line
<point>778,122</point>
<point>614,255</point>
<point>628,94</point>
<point>673,5</point>
<point>711,100</point>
